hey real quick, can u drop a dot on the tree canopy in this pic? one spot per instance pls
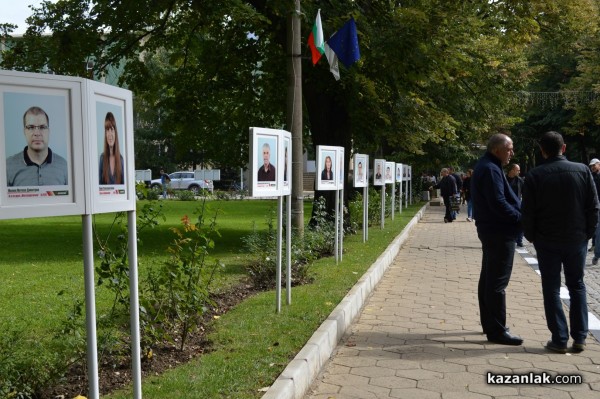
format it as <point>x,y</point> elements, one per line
<point>434,78</point>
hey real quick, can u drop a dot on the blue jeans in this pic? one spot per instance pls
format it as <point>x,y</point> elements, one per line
<point>496,269</point>
<point>470,209</point>
<point>570,257</point>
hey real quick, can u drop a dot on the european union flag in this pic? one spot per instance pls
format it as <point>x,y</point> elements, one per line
<point>344,43</point>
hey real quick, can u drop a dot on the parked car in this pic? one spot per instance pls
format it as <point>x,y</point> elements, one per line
<point>184,181</point>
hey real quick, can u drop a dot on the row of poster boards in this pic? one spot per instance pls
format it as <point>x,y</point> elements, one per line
<point>385,172</point>
<point>54,133</point>
<point>270,175</point>
<point>330,170</point>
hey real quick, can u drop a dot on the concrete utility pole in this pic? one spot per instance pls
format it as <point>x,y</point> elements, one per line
<point>294,115</point>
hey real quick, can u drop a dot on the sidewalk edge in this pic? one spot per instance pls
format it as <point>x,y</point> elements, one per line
<point>297,377</point>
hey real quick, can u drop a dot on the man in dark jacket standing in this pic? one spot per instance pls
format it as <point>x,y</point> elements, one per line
<point>595,168</point>
<point>459,184</point>
<point>516,184</point>
<point>560,214</point>
<point>497,217</point>
<point>447,186</point>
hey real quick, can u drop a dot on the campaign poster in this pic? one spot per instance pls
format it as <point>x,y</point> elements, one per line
<point>405,172</point>
<point>111,154</point>
<point>40,145</point>
<point>361,170</point>
<point>327,164</point>
<point>399,169</point>
<point>389,172</point>
<point>286,163</point>
<point>264,163</point>
<point>340,168</point>
<point>378,172</point>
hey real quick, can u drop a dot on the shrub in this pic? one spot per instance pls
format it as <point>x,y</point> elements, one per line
<point>177,293</point>
<point>185,195</point>
<point>355,206</point>
<point>153,194</point>
<point>316,242</point>
<point>29,366</point>
<point>222,195</point>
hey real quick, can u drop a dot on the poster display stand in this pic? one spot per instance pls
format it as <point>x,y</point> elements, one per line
<point>56,133</point>
<point>390,168</point>
<point>271,177</point>
<point>330,177</point>
<point>399,180</point>
<point>361,179</point>
<point>378,180</point>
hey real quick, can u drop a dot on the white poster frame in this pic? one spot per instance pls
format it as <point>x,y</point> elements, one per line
<point>389,177</point>
<point>43,90</point>
<point>405,172</point>
<point>400,181</point>
<point>378,165</point>
<point>340,168</point>
<point>259,137</point>
<point>399,169</point>
<point>324,151</point>
<point>104,196</point>
<point>361,160</point>
<point>285,159</point>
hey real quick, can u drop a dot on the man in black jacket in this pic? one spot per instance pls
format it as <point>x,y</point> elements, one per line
<point>497,212</point>
<point>516,184</point>
<point>447,186</point>
<point>560,214</point>
<point>595,168</point>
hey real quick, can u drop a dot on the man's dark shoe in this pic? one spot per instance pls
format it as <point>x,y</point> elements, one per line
<point>505,338</point>
<point>551,346</point>
<point>578,347</point>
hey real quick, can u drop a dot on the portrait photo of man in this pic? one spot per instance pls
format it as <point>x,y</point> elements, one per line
<point>378,173</point>
<point>267,171</point>
<point>360,172</point>
<point>36,164</point>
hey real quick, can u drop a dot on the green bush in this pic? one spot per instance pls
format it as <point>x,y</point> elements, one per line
<point>153,194</point>
<point>176,294</point>
<point>185,195</point>
<point>223,195</point>
<point>316,242</point>
<point>29,366</point>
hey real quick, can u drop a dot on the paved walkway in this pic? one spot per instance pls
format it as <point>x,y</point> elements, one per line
<point>418,335</point>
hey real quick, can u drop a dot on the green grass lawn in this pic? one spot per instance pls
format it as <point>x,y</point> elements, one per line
<point>251,344</point>
<point>44,256</point>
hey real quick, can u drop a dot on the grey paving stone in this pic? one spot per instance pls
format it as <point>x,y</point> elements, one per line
<point>421,326</point>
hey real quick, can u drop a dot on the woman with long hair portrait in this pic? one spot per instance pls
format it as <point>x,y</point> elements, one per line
<point>327,173</point>
<point>111,161</point>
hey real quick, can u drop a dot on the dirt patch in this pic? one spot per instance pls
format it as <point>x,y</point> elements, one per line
<point>115,373</point>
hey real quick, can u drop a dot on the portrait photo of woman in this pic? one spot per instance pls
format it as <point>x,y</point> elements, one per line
<point>327,173</point>
<point>111,166</point>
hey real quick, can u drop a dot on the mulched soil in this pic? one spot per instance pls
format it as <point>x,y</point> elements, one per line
<point>116,373</point>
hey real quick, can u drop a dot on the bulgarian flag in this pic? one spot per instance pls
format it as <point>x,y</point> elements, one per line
<point>316,41</point>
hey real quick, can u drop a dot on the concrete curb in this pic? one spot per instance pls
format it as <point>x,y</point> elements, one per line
<point>296,379</point>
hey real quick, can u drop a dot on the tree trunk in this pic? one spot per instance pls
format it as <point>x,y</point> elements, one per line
<point>294,116</point>
<point>329,125</point>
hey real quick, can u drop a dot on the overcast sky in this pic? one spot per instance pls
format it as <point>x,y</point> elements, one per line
<point>15,12</point>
